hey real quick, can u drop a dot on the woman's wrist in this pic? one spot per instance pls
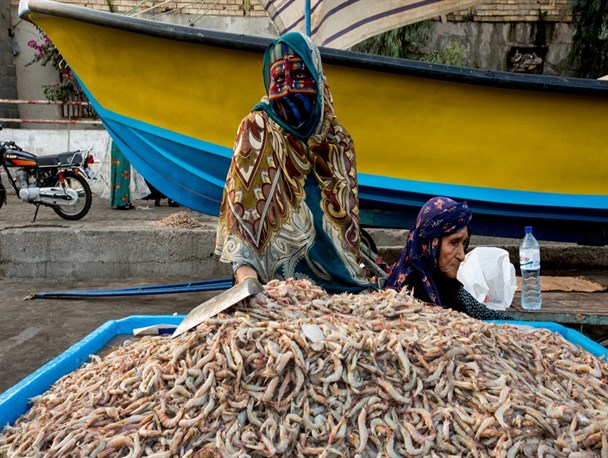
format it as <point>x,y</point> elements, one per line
<point>244,272</point>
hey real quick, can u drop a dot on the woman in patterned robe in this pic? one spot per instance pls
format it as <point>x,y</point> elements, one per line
<point>429,263</point>
<point>290,207</point>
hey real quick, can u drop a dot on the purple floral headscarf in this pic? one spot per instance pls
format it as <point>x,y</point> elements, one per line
<point>439,217</point>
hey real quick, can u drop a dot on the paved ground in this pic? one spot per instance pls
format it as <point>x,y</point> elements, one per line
<point>36,331</point>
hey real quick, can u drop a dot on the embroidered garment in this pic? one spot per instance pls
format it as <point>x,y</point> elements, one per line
<point>120,173</point>
<point>290,204</point>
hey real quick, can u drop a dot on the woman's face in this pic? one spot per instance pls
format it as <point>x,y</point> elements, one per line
<point>451,252</point>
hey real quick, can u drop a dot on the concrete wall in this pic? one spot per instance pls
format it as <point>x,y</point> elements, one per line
<point>31,78</point>
<point>487,44</point>
<point>103,251</point>
<point>42,142</point>
<point>94,252</point>
<point>256,26</point>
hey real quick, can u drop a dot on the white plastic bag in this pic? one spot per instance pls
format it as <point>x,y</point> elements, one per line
<point>489,276</point>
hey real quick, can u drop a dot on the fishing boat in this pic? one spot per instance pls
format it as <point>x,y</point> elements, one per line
<point>520,149</point>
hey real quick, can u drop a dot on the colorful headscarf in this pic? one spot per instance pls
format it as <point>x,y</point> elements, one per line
<point>438,217</point>
<point>303,47</point>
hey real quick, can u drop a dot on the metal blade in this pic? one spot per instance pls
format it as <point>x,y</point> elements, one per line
<point>219,303</point>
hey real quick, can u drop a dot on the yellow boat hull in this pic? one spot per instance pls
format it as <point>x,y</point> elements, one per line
<point>523,147</point>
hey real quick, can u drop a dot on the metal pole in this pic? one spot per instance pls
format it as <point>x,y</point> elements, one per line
<point>307,17</point>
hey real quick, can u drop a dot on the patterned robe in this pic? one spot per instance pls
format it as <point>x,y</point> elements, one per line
<point>290,206</point>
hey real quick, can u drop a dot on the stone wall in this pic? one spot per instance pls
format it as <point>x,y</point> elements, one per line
<point>516,11</point>
<point>489,45</point>
<point>8,74</point>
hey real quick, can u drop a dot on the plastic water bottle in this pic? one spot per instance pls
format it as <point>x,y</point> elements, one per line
<point>529,263</point>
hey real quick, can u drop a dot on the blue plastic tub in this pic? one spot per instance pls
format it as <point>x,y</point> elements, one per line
<point>14,401</point>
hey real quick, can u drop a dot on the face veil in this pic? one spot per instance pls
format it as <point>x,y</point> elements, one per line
<point>292,92</point>
<point>294,81</point>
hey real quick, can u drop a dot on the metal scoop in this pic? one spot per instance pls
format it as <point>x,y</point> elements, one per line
<point>219,303</point>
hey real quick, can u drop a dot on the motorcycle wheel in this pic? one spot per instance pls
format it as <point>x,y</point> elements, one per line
<point>80,185</point>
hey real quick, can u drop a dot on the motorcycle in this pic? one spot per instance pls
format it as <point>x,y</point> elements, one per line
<point>58,181</point>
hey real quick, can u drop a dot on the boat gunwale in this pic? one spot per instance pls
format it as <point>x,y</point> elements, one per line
<point>384,64</point>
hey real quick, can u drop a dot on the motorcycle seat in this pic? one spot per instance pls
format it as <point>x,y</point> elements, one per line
<point>62,159</point>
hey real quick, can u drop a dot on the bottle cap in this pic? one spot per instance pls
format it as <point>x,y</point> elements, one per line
<point>528,229</point>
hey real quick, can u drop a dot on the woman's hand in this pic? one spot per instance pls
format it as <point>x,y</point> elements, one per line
<point>244,272</point>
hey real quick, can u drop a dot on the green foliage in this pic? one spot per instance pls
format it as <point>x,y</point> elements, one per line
<point>64,91</point>
<point>452,54</point>
<point>407,42</point>
<point>590,42</point>
<point>410,42</point>
<point>45,53</point>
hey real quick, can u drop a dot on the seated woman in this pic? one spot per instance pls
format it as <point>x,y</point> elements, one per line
<point>428,265</point>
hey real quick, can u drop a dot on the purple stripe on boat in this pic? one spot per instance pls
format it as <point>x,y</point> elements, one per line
<point>335,10</point>
<point>280,10</point>
<point>376,18</point>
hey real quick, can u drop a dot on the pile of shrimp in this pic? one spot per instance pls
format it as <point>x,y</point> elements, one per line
<point>294,371</point>
<point>181,220</point>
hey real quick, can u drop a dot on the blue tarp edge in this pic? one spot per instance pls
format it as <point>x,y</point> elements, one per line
<point>14,402</point>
